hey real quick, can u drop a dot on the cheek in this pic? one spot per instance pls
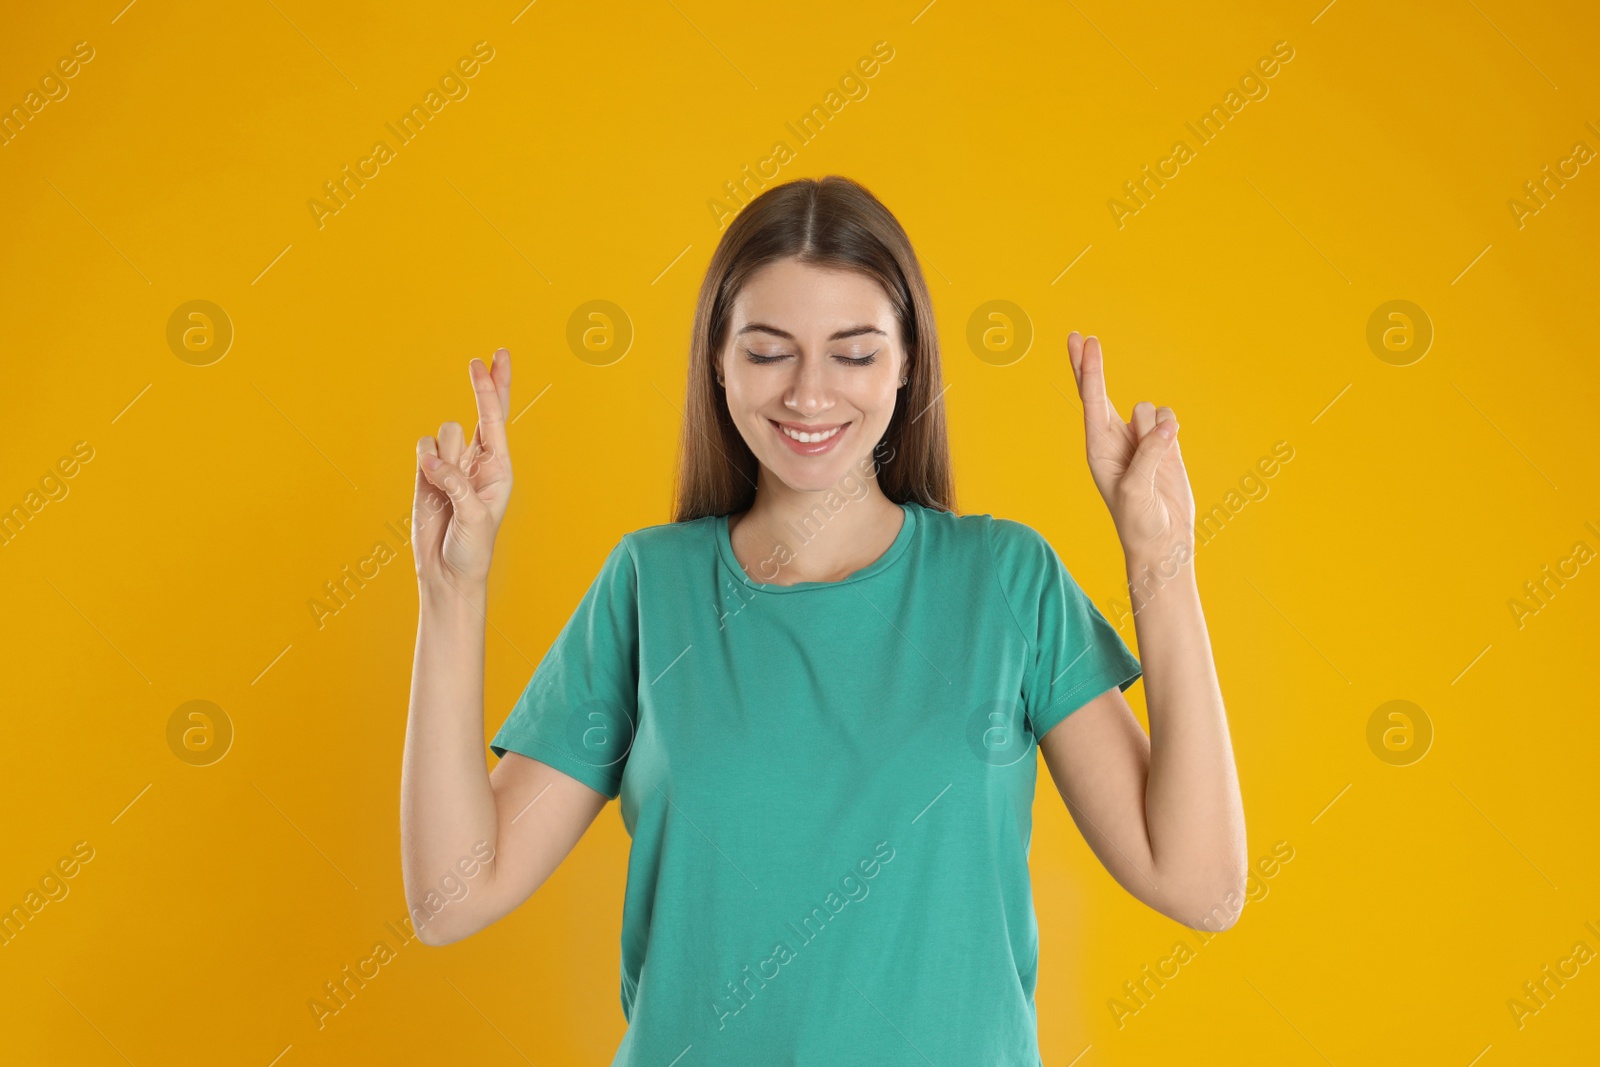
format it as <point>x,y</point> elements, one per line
<point>747,400</point>
<point>880,402</point>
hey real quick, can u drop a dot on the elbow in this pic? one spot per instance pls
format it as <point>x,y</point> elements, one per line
<point>435,933</point>
<point>430,935</point>
<point>456,917</point>
<point>1214,904</point>
<point>1214,921</point>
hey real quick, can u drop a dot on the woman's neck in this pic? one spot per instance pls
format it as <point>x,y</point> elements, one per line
<point>822,536</point>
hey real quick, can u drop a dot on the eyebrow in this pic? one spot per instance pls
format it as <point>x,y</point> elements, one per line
<point>850,331</point>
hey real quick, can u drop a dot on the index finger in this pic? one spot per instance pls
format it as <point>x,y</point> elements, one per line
<point>493,389</point>
<point>1090,366</point>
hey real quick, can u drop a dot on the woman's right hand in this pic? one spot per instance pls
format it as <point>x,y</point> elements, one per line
<point>463,489</point>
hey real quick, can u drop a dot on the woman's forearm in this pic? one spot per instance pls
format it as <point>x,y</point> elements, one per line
<point>1193,809</point>
<point>446,802</point>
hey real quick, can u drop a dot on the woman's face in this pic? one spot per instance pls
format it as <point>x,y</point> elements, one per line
<point>816,351</point>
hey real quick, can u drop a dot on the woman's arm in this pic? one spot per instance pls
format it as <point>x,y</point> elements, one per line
<point>525,816</point>
<point>1163,813</point>
<point>473,845</point>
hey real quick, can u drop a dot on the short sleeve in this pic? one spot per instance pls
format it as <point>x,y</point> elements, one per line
<point>1073,652</point>
<point>579,710</point>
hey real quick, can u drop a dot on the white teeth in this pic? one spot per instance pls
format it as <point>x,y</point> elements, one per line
<point>810,438</point>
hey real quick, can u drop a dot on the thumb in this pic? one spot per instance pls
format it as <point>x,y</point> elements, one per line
<point>427,502</point>
<point>449,480</point>
<point>1147,457</point>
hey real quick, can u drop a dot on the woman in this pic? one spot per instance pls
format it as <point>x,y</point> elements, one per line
<point>817,692</point>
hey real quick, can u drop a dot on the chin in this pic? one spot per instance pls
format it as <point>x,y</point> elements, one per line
<point>814,477</point>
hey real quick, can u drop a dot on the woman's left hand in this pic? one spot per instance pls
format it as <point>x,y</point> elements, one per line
<point>1136,465</point>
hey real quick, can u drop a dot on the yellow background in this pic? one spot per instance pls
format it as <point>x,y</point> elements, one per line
<point>181,563</point>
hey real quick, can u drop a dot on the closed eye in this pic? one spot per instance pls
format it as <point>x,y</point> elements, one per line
<point>859,361</point>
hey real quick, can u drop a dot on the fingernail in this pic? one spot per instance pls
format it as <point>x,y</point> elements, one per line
<point>430,461</point>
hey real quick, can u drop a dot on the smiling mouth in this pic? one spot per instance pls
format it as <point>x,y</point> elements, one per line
<point>797,432</point>
<point>809,440</point>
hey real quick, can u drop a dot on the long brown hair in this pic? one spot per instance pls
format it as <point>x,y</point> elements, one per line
<point>836,223</point>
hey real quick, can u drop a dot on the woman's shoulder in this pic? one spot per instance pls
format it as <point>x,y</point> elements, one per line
<point>670,537</point>
<point>1006,538</point>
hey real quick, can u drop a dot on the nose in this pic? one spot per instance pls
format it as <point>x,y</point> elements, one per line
<point>808,393</point>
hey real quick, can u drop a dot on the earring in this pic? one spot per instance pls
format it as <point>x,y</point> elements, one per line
<point>904,380</point>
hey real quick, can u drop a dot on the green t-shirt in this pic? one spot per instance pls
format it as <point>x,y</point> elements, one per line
<point>829,786</point>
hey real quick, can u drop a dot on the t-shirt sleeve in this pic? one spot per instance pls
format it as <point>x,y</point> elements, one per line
<point>1073,652</point>
<point>579,710</point>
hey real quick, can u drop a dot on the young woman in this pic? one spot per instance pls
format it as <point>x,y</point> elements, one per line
<point>817,692</point>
